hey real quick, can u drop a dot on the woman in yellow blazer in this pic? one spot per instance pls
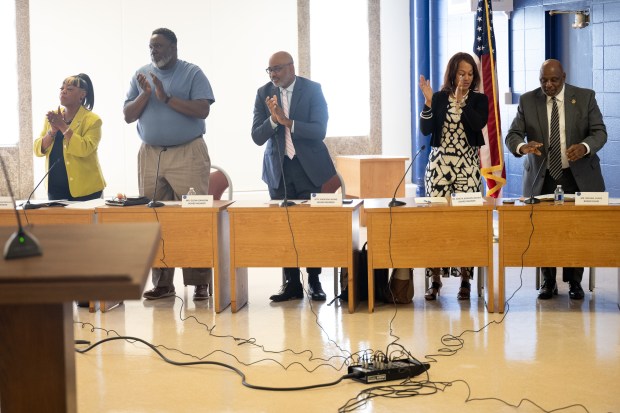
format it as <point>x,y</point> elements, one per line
<point>69,141</point>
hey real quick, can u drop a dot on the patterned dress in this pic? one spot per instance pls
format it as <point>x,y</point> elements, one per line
<point>453,166</point>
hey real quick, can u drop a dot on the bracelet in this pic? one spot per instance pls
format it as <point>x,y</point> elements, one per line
<point>66,131</point>
<point>426,115</point>
<point>168,97</point>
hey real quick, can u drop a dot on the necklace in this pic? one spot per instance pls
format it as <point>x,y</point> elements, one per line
<point>64,117</point>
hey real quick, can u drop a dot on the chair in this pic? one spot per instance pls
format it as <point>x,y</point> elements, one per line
<point>219,181</point>
<point>333,184</point>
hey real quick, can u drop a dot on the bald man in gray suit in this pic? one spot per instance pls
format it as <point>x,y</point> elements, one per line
<point>582,135</point>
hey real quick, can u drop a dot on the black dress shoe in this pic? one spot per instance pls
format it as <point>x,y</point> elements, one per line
<point>316,291</point>
<point>289,291</point>
<point>159,292</point>
<point>575,291</point>
<point>548,290</point>
<point>201,292</point>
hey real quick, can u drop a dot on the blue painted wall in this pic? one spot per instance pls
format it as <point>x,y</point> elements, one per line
<point>527,50</point>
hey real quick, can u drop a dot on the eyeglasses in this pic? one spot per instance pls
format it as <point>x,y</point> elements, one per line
<point>277,69</point>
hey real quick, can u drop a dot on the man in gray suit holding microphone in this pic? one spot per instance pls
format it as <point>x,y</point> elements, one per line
<point>561,126</point>
<point>290,115</point>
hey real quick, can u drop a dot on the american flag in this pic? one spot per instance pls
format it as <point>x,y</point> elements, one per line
<point>492,154</point>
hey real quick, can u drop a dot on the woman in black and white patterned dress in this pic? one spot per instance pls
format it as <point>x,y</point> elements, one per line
<point>455,117</point>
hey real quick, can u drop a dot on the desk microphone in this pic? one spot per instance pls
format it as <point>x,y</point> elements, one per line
<point>27,204</point>
<point>394,202</point>
<point>21,244</point>
<point>531,199</point>
<point>153,203</point>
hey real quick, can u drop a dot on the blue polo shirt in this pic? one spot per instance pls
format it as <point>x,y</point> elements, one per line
<point>160,125</point>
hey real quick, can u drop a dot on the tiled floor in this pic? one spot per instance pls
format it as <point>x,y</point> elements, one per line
<point>543,355</point>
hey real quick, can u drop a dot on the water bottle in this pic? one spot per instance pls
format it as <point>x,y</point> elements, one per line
<point>192,192</point>
<point>558,196</point>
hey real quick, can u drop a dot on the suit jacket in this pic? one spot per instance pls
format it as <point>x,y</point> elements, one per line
<point>474,118</point>
<point>81,160</point>
<point>583,123</point>
<point>308,109</point>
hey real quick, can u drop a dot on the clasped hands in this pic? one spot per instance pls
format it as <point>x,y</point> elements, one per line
<point>277,113</point>
<point>573,153</point>
<point>55,119</point>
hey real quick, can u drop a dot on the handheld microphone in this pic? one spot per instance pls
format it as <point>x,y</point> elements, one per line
<point>21,244</point>
<point>394,202</point>
<point>531,199</point>
<point>27,204</point>
<point>153,203</point>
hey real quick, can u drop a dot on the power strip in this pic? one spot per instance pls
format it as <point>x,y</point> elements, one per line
<point>377,372</point>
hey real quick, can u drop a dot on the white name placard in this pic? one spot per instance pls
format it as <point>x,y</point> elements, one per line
<point>592,198</point>
<point>467,199</point>
<point>329,199</point>
<point>430,200</point>
<point>6,202</point>
<point>197,201</point>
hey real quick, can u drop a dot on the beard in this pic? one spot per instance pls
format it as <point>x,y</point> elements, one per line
<point>163,61</point>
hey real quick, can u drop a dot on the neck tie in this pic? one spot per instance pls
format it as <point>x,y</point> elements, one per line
<point>288,140</point>
<point>555,157</point>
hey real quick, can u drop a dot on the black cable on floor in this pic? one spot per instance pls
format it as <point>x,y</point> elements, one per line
<point>216,363</point>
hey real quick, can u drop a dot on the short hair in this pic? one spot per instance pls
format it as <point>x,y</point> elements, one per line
<point>167,33</point>
<point>83,82</point>
<point>452,69</point>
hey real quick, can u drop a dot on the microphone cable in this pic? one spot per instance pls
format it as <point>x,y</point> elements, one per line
<point>27,205</point>
<point>156,204</point>
<point>395,203</point>
<point>285,203</point>
<point>215,363</point>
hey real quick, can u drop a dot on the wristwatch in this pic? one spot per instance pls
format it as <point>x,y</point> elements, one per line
<point>168,97</point>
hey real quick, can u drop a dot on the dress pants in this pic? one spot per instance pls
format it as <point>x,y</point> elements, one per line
<point>570,187</point>
<point>295,184</point>
<point>180,167</point>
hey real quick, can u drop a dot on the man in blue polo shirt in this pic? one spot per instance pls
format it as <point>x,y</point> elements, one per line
<point>171,99</point>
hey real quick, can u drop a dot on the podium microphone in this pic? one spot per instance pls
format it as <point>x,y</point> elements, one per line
<point>394,202</point>
<point>27,204</point>
<point>531,199</point>
<point>153,203</point>
<point>21,244</point>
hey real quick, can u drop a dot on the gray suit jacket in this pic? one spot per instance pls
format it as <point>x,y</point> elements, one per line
<point>309,111</point>
<point>583,122</point>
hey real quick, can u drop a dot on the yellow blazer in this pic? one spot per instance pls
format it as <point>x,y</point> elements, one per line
<point>81,160</point>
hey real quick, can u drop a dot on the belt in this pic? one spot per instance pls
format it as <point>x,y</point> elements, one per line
<point>181,144</point>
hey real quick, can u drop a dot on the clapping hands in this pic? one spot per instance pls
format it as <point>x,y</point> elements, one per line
<point>427,90</point>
